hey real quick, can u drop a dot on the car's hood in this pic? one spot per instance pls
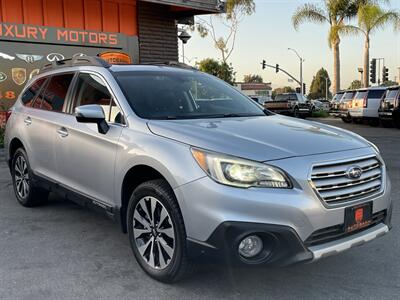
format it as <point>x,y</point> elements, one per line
<point>259,138</point>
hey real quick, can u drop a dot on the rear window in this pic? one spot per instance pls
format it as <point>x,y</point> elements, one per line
<point>348,96</point>
<point>285,97</point>
<point>53,97</point>
<point>391,94</point>
<point>337,97</point>
<point>375,94</point>
<point>29,95</point>
<point>361,95</point>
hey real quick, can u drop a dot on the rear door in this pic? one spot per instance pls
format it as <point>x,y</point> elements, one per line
<point>42,122</point>
<point>86,158</point>
<point>374,99</point>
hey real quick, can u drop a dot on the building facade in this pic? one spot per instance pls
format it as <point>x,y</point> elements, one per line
<point>36,32</point>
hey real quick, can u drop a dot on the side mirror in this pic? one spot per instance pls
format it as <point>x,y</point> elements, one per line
<point>92,113</point>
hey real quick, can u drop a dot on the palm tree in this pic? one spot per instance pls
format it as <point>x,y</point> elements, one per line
<point>335,13</point>
<point>371,18</point>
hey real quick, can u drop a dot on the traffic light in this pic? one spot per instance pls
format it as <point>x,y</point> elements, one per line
<point>385,74</point>
<point>304,88</point>
<point>372,71</point>
<point>276,68</point>
<point>263,64</point>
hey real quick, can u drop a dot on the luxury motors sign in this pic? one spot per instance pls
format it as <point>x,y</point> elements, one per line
<point>24,49</point>
<point>55,35</point>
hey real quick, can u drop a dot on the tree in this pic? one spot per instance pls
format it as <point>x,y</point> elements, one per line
<point>335,13</point>
<point>219,69</point>
<point>318,85</point>
<point>355,84</point>
<point>389,83</point>
<point>370,19</point>
<point>282,90</point>
<point>236,10</point>
<point>252,78</point>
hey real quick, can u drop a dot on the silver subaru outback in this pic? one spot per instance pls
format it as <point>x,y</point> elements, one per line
<point>189,166</point>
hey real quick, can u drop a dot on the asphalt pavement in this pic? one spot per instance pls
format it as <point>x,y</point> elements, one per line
<point>63,251</point>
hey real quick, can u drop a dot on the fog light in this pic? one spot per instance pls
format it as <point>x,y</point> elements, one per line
<point>250,246</point>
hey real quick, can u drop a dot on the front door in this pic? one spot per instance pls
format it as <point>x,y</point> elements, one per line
<point>85,157</point>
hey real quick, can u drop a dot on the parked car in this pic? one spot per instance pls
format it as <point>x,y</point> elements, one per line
<point>320,105</point>
<point>365,105</point>
<point>389,110</point>
<point>335,102</point>
<point>345,105</point>
<point>293,104</point>
<point>176,157</point>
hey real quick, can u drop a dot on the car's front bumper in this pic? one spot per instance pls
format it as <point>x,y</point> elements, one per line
<point>207,205</point>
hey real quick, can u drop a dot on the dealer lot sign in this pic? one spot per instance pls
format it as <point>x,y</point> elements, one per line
<point>24,49</point>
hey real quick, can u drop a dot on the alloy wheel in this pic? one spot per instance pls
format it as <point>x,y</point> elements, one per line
<point>153,232</point>
<point>21,177</point>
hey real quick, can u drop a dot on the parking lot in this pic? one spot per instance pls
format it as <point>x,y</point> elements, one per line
<point>63,251</point>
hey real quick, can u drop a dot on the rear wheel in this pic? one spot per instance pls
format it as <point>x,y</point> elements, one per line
<point>347,119</point>
<point>387,123</point>
<point>157,232</point>
<point>26,192</point>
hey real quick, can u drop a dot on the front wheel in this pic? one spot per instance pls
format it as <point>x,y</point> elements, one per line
<point>157,232</point>
<point>26,192</point>
<point>347,119</point>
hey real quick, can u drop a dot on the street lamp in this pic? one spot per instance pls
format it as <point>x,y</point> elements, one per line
<point>301,69</point>
<point>184,36</point>
<point>361,71</point>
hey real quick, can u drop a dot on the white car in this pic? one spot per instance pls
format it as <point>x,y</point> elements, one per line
<point>366,103</point>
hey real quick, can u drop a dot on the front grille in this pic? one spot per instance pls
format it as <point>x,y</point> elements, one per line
<point>336,232</point>
<point>334,187</point>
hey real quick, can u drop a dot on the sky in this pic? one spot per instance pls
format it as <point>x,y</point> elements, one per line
<point>268,33</point>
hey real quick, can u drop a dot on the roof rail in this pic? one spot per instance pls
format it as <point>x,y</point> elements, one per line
<point>76,61</point>
<point>169,63</point>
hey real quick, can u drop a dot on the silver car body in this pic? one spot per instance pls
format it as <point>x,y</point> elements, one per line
<point>370,110</point>
<point>95,165</point>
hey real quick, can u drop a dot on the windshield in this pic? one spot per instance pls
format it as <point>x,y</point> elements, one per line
<point>285,97</point>
<point>183,95</point>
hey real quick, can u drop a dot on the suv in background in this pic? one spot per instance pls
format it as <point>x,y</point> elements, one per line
<point>189,166</point>
<point>389,110</point>
<point>345,105</point>
<point>293,104</point>
<point>335,102</point>
<point>365,105</point>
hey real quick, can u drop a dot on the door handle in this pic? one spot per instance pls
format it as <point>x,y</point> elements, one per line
<point>28,121</point>
<point>63,132</point>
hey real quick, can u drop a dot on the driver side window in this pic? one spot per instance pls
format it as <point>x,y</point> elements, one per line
<point>91,89</point>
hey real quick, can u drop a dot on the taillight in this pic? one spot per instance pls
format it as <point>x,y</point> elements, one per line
<point>8,114</point>
<point>365,101</point>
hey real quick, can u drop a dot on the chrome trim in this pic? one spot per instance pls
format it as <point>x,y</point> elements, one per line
<point>346,243</point>
<point>378,191</point>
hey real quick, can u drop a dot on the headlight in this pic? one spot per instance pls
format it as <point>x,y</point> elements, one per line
<point>239,172</point>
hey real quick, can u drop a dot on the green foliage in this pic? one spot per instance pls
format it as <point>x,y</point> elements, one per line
<point>355,84</point>
<point>372,17</point>
<point>1,137</point>
<point>389,83</point>
<point>318,85</point>
<point>252,78</point>
<point>282,90</point>
<point>219,69</point>
<point>320,114</point>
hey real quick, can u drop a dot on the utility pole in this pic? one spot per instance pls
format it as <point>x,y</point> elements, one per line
<point>326,88</point>
<point>301,69</point>
<point>361,71</point>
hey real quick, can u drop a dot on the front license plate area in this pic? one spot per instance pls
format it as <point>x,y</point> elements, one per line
<point>357,217</point>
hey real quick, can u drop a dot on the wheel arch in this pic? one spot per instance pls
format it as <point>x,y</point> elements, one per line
<point>15,144</point>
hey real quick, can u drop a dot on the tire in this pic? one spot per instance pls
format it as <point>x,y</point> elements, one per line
<point>373,122</point>
<point>296,113</point>
<point>386,123</point>
<point>148,238</point>
<point>26,192</point>
<point>347,119</point>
